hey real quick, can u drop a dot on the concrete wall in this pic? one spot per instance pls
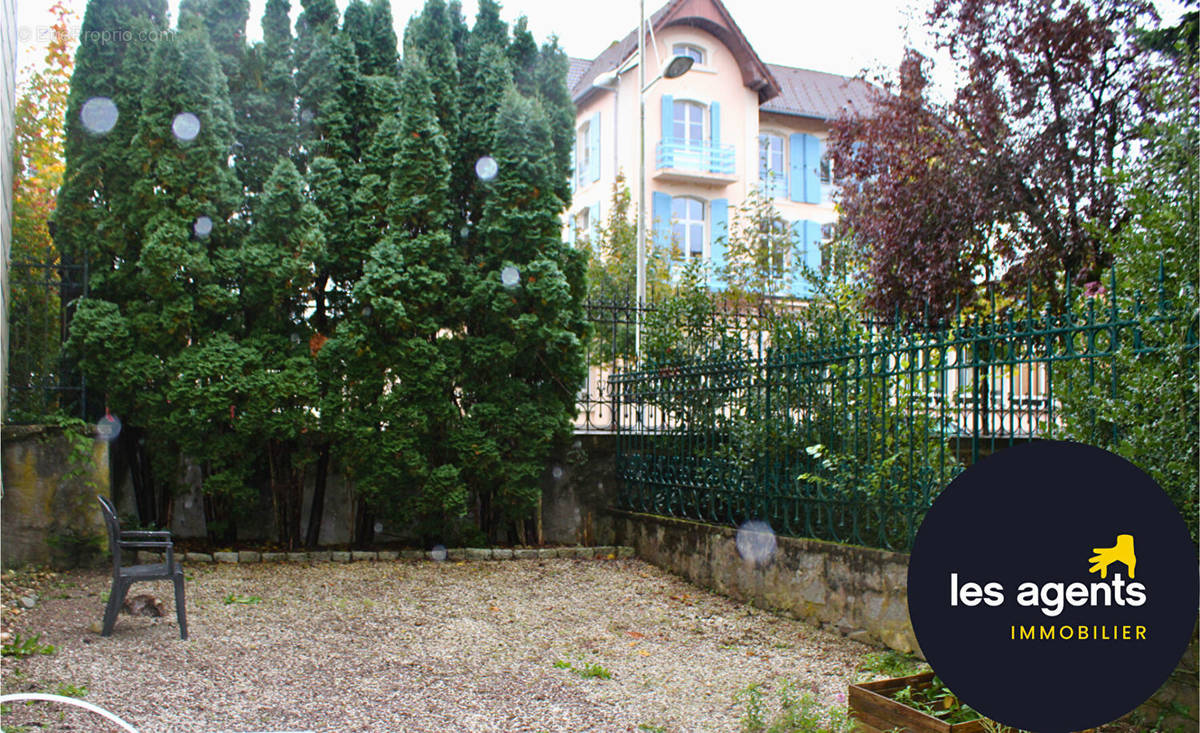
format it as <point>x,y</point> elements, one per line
<point>42,513</point>
<point>856,591</point>
<point>578,489</point>
<point>187,512</point>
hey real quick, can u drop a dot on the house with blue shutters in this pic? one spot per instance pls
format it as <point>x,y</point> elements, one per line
<point>730,125</point>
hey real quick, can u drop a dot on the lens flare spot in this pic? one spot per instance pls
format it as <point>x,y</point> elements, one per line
<point>438,553</point>
<point>185,126</point>
<point>99,115</point>
<point>756,542</point>
<point>486,168</point>
<point>510,277</point>
<point>108,428</point>
<point>557,473</point>
<point>203,226</point>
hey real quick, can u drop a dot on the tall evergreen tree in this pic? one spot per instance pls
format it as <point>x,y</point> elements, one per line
<point>269,131</point>
<point>396,411</point>
<point>522,355</point>
<point>523,55</point>
<point>370,27</point>
<point>551,80</point>
<point>225,21</point>
<point>429,36</point>
<point>161,306</point>
<point>88,223</point>
<point>98,177</point>
<point>274,292</point>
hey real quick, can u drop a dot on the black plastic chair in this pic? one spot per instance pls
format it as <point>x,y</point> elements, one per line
<point>127,575</point>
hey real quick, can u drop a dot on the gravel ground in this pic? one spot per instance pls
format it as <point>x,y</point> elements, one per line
<point>417,647</point>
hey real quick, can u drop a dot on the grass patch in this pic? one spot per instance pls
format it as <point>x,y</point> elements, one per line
<point>67,689</point>
<point>888,663</point>
<point>586,670</point>
<point>21,648</point>
<point>244,600</point>
<point>794,712</point>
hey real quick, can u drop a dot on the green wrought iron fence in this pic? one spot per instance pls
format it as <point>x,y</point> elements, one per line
<point>41,381</point>
<point>682,325</point>
<point>848,436</point>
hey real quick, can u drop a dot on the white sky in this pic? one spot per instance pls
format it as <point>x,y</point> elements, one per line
<point>844,36</point>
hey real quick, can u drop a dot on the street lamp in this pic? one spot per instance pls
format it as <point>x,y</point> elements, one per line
<point>676,67</point>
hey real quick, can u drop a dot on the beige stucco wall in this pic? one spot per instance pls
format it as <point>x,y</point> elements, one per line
<point>8,75</point>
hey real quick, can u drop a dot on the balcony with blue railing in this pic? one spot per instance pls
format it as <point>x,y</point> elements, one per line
<point>694,162</point>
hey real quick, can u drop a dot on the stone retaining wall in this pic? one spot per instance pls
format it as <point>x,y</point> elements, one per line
<point>855,591</point>
<point>49,511</point>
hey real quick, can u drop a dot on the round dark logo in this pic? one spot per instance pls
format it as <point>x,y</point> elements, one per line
<point>1053,586</point>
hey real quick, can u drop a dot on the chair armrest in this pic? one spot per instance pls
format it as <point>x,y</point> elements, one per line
<point>145,545</point>
<point>145,533</point>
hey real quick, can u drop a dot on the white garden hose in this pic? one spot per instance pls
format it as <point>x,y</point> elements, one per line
<point>69,701</point>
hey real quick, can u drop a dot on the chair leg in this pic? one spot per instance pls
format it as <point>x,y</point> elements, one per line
<point>116,597</point>
<point>180,605</point>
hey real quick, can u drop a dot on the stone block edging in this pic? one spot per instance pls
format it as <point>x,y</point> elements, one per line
<point>458,554</point>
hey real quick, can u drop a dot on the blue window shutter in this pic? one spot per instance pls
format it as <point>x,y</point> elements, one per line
<point>796,167</point>
<point>800,285</point>
<point>812,233</point>
<point>812,170</point>
<point>594,148</point>
<point>661,214</point>
<point>572,231</point>
<point>720,233</point>
<point>808,235</point>
<point>573,164</point>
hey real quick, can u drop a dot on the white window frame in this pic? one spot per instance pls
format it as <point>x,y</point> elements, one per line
<point>692,50</point>
<point>781,180</point>
<point>826,175</point>
<point>686,225</point>
<point>688,104</point>
<point>582,154</point>
<point>780,226</point>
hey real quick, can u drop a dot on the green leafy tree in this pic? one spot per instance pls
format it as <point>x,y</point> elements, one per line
<point>1143,404</point>
<point>612,265</point>
<point>761,252</point>
<point>36,307</point>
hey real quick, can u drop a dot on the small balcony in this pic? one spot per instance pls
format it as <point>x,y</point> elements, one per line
<point>692,162</point>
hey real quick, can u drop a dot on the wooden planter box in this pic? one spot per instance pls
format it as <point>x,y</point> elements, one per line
<point>874,711</point>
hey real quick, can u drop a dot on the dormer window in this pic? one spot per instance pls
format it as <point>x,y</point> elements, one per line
<point>686,49</point>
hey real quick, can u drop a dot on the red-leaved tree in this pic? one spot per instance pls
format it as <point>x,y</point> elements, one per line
<point>1011,180</point>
